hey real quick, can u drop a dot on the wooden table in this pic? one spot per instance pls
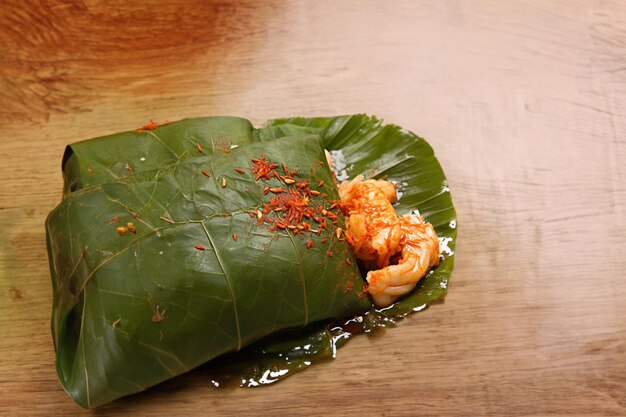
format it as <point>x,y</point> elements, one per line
<point>524,103</point>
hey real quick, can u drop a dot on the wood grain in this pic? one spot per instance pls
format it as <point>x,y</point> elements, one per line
<point>523,101</point>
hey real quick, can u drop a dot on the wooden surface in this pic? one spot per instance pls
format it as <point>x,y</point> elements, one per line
<point>524,103</point>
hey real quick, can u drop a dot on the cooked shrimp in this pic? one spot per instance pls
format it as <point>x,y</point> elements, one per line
<point>419,252</point>
<point>372,227</point>
<point>377,234</point>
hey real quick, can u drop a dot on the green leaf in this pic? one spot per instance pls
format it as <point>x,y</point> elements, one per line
<point>360,144</point>
<point>133,310</point>
<point>105,295</point>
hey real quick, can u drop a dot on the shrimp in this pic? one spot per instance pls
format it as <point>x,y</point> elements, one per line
<point>419,252</point>
<point>372,228</point>
<point>377,235</point>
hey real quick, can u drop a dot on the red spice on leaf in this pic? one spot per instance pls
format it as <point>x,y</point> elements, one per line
<point>302,184</point>
<point>234,236</point>
<point>315,192</point>
<point>261,168</point>
<point>348,262</point>
<point>320,184</point>
<point>206,174</point>
<point>277,190</point>
<point>309,244</point>
<point>116,219</point>
<point>266,190</point>
<point>152,125</point>
<point>200,247</point>
<point>199,147</point>
<point>239,170</point>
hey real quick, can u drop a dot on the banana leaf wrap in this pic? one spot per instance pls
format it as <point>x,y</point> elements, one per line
<point>131,310</point>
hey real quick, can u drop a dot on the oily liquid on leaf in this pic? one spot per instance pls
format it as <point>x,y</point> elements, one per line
<point>286,353</point>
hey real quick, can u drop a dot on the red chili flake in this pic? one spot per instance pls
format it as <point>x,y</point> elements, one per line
<point>277,190</point>
<point>200,247</point>
<point>302,184</point>
<point>324,239</point>
<point>285,171</point>
<point>239,170</point>
<point>152,125</point>
<point>222,146</point>
<point>315,192</point>
<point>348,262</point>
<point>261,168</point>
<point>206,174</point>
<point>332,206</point>
<point>329,254</point>
<point>166,219</point>
<point>306,226</point>
<point>266,190</point>
<point>281,225</point>
<point>116,219</point>
<point>199,147</point>
<point>319,231</point>
<point>234,236</point>
<point>309,244</point>
<point>289,180</point>
<point>331,215</point>
<point>158,317</point>
<point>321,183</point>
